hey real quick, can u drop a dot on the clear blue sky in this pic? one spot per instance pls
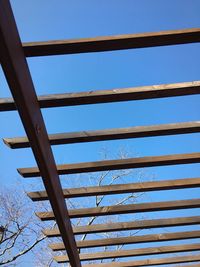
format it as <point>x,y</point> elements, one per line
<point>50,20</point>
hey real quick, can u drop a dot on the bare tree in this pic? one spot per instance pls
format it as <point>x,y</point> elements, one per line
<point>106,178</point>
<point>22,230</point>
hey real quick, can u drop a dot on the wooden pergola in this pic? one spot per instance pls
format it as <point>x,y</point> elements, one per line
<point>13,55</point>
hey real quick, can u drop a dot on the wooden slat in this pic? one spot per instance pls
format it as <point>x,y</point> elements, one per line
<point>111,134</point>
<point>121,188</point>
<point>143,263</point>
<point>132,252</point>
<point>19,80</point>
<point>107,96</point>
<point>125,226</point>
<point>111,43</point>
<point>117,164</point>
<point>151,262</point>
<point>125,209</point>
<point>130,240</point>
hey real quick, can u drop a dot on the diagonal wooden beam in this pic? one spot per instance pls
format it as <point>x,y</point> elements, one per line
<point>118,164</point>
<point>130,240</point>
<point>111,43</point>
<point>123,226</point>
<point>125,209</point>
<point>121,188</point>
<point>132,252</point>
<point>107,96</point>
<point>151,262</point>
<point>111,134</point>
<point>19,80</point>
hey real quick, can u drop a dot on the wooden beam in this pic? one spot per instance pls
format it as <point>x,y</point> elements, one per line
<point>150,262</point>
<point>111,43</point>
<point>118,164</point>
<point>19,80</point>
<point>125,226</point>
<point>121,188</point>
<point>125,209</point>
<point>107,96</point>
<point>130,240</point>
<point>132,252</point>
<point>111,134</point>
<point>143,263</point>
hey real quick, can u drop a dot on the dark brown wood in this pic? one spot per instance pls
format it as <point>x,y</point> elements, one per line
<point>125,209</point>
<point>19,80</point>
<point>151,262</point>
<point>132,252</point>
<point>130,240</point>
<point>123,226</point>
<point>114,95</point>
<point>111,134</point>
<point>110,43</point>
<point>121,188</point>
<point>117,164</point>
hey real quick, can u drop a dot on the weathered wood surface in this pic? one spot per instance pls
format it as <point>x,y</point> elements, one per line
<point>130,240</point>
<point>117,164</point>
<point>17,73</point>
<point>125,209</point>
<point>111,43</point>
<point>114,95</point>
<point>132,252</point>
<point>111,134</point>
<point>151,262</point>
<point>121,188</point>
<point>133,225</point>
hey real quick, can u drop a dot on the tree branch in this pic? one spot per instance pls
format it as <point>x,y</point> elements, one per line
<point>23,252</point>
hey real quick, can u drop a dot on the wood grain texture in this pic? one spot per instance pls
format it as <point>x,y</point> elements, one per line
<point>108,96</point>
<point>121,188</point>
<point>18,76</point>
<point>151,262</point>
<point>118,164</point>
<point>132,225</point>
<point>125,209</point>
<point>111,134</point>
<point>130,240</point>
<point>111,43</point>
<point>133,252</point>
